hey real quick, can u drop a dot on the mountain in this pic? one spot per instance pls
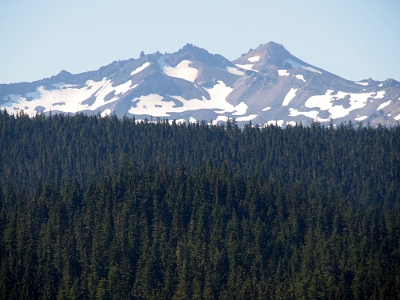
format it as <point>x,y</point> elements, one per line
<point>266,85</point>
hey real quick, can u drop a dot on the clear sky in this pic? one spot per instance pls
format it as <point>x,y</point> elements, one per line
<point>354,39</point>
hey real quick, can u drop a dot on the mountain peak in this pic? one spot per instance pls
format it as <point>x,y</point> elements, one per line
<point>193,53</point>
<point>267,85</point>
<point>190,48</point>
<point>270,53</point>
<point>63,75</point>
<point>271,50</point>
<point>272,46</point>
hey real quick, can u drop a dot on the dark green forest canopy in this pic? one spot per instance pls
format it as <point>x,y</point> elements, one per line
<point>104,208</point>
<point>59,148</point>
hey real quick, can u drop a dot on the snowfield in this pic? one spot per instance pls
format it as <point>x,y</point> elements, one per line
<point>327,102</point>
<point>283,73</point>
<point>241,109</point>
<point>68,98</point>
<point>182,70</point>
<point>151,105</point>
<point>254,59</point>
<point>154,105</point>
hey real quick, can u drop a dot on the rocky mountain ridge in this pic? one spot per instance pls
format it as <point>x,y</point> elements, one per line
<point>266,85</point>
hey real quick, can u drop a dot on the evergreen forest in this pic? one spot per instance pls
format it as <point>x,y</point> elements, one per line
<point>104,208</point>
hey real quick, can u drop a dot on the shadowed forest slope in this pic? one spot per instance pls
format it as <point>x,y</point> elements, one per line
<point>104,208</point>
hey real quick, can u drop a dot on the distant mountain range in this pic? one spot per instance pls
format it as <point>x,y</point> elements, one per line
<point>266,85</point>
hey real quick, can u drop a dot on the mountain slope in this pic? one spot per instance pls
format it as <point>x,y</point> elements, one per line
<point>266,85</point>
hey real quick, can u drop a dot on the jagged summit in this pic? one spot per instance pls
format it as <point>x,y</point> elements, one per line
<point>63,75</point>
<point>191,47</point>
<point>270,50</point>
<point>272,56</point>
<point>266,85</point>
<point>196,54</point>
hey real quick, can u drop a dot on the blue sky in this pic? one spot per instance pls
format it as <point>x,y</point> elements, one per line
<point>354,39</point>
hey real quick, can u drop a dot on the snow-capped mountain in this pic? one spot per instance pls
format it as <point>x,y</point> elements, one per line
<point>266,85</point>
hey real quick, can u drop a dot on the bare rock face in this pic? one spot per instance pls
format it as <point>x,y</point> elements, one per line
<point>267,85</point>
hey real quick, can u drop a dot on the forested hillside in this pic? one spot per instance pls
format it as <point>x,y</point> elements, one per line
<point>104,208</point>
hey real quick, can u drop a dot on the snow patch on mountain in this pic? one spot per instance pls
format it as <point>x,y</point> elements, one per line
<point>300,77</point>
<point>248,67</point>
<point>289,96</point>
<point>68,98</point>
<point>151,105</point>
<point>311,69</point>
<point>283,73</point>
<point>296,65</point>
<point>154,104</point>
<point>361,118</point>
<point>140,69</point>
<point>179,121</point>
<point>275,122</point>
<point>354,101</point>
<point>220,119</point>
<point>267,108</point>
<point>254,59</point>
<point>241,109</point>
<point>361,83</point>
<point>120,89</point>
<point>182,70</point>
<point>234,71</point>
<point>246,118</point>
<point>106,112</point>
<point>383,105</point>
<point>310,114</point>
